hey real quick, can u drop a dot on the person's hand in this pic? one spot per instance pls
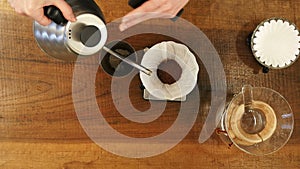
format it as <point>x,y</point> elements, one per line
<point>152,9</point>
<point>34,9</point>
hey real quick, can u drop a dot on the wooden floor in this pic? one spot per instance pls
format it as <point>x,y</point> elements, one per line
<point>39,127</point>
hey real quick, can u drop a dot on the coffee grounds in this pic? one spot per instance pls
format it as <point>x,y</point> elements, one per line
<point>114,61</point>
<point>169,71</point>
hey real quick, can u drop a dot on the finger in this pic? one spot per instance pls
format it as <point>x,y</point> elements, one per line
<point>146,7</point>
<point>138,18</point>
<point>148,10</point>
<point>66,9</point>
<point>39,16</point>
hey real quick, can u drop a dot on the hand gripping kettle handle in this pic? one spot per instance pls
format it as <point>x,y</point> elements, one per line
<point>53,13</point>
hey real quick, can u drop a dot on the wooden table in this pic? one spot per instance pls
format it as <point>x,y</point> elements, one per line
<point>39,127</point>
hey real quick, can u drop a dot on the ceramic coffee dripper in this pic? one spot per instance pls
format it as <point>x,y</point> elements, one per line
<point>258,121</point>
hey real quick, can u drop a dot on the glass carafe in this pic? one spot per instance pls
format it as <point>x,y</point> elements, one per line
<point>258,121</point>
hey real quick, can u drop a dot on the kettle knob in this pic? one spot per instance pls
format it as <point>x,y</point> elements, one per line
<point>53,13</point>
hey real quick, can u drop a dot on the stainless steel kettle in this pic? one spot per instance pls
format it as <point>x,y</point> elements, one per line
<point>67,40</point>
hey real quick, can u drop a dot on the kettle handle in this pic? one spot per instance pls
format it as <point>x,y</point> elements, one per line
<point>137,3</point>
<point>53,13</point>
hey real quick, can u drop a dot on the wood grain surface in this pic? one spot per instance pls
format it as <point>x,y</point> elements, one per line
<point>39,127</point>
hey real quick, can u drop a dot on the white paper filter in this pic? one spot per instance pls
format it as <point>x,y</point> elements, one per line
<point>276,43</point>
<point>186,60</point>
